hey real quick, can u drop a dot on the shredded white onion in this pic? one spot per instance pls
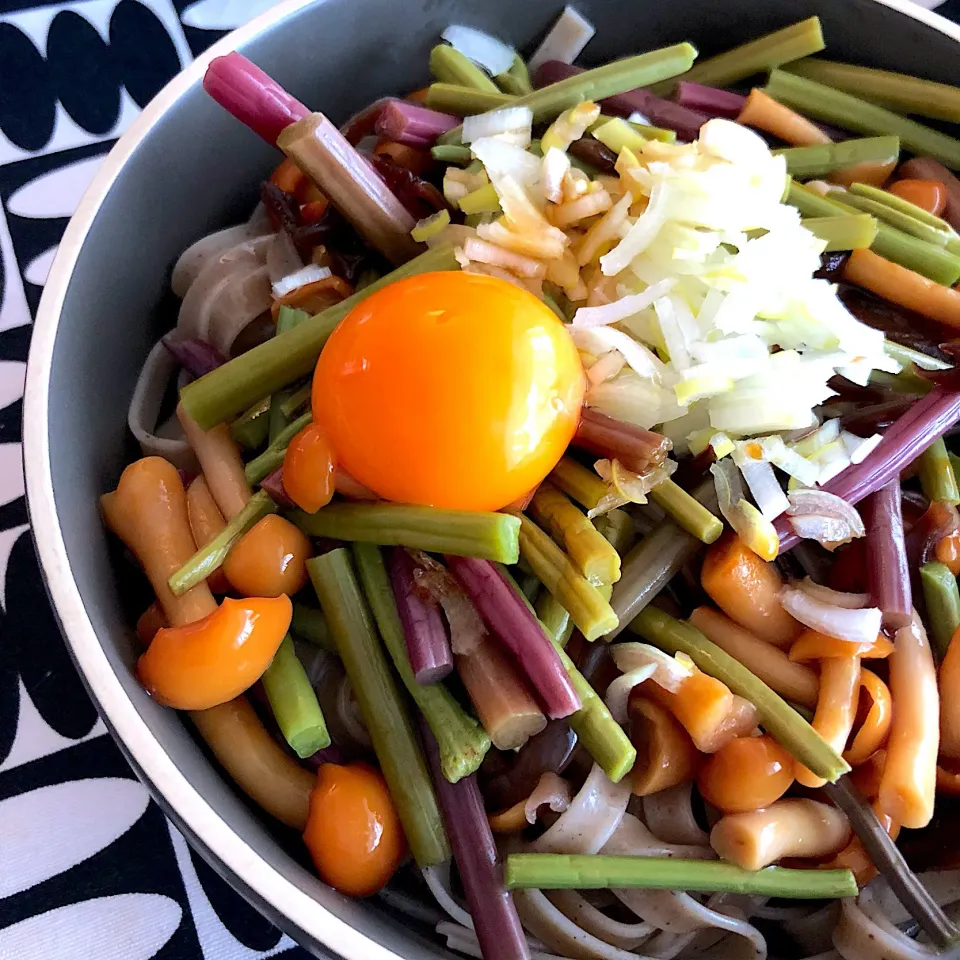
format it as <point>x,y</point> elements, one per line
<point>497,123</point>
<point>824,517</point>
<point>311,273</point>
<point>668,672</point>
<point>764,486</point>
<point>857,448</point>
<point>839,598</point>
<point>618,693</point>
<point>606,367</point>
<point>599,340</point>
<point>554,166</point>
<point>492,54</point>
<point>860,626</point>
<point>566,39</point>
<point>623,308</point>
<point>789,461</point>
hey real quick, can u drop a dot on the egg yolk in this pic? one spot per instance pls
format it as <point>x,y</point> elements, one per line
<point>449,389</point>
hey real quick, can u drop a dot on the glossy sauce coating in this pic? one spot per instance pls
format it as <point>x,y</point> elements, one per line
<point>210,661</point>
<point>449,389</point>
<point>269,560</point>
<point>353,832</point>
<point>746,774</point>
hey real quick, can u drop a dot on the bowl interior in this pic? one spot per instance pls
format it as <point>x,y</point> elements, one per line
<point>194,169</point>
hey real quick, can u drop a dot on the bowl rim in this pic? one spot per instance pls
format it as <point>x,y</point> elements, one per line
<point>286,904</point>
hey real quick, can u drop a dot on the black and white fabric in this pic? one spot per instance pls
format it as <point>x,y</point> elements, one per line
<point>89,866</point>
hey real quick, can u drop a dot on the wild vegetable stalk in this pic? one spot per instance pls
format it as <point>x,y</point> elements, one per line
<point>383,710</point>
<point>210,558</point>
<point>935,263</point>
<point>686,511</point>
<point>833,106</point>
<point>309,624</point>
<point>451,66</point>
<point>510,619</point>
<point>640,451</point>
<point>709,100</point>
<point>495,919</point>
<point>294,703</point>
<point>593,555</point>
<point>887,567</point>
<point>653,563</point>
<point>662,113</point>
<point>576,481</point>
<point>411,124</point>
<point>758,56</point>
<point>461,101</point>
<point>427,646</point>
<point>937,479</point>
<point>563,871</point>
<point>491,536</point>
<point>943,606</point>
<point>817,161</point>
<point>323,154</point>
<point>895,91</point>
<point>600,83</point>
<point>254,98</point>
<point>463,743</point>
<point>602,737</point>
<point>844,233</point>
<point>590,611</point>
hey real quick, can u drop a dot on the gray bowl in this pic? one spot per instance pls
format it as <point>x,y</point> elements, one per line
<point>185,168</point>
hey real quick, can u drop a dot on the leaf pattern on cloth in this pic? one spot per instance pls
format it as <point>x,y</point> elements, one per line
<point>90,866</point>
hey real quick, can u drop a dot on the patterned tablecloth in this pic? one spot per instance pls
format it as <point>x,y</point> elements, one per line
<point>89,866</point>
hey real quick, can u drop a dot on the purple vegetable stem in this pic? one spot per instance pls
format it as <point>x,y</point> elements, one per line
<point>491,906</point>
<point>508,617</point>
<point>423,629</point>
<point>662,113</point>
<point>273,484</point>
<point>255,99</point>
<point>928,419</point>
<point>709,100</point>
<point>412,124</point>
<point>887,569</point>
<point>196,356</point>
<point>331,754</point>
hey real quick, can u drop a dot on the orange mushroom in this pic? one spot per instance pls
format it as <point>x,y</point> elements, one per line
<point>206,663</point>
<point>310,469</point>
<point>269,560</point>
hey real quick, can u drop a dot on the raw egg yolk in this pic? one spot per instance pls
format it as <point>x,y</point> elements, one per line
<point>449,389</point>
